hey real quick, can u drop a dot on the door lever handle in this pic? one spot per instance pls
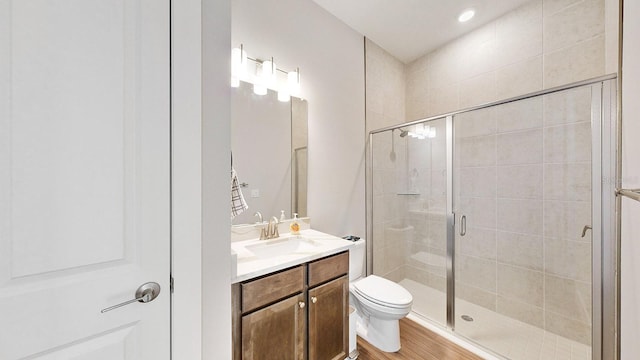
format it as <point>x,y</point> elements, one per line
<point>584,230</point>
<point>147,292</point>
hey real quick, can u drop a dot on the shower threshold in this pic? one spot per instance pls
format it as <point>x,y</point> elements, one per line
<point>508,337</point>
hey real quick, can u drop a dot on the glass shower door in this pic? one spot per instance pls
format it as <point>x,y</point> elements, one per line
<point>409,201</point>
<point>522,202</point>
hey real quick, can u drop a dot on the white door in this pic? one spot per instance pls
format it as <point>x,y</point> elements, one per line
<point>84,178</point>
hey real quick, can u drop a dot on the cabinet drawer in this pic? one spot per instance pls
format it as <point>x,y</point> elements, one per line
<point>328,268</point>
<point>263,291</point>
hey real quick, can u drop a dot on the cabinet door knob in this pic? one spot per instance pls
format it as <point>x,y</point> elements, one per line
<point>301,304</point>
<point>314,299</point>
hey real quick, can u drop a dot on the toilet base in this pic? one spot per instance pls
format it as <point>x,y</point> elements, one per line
<point>383,334</point>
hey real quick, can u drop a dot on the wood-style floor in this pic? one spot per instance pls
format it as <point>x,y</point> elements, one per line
<point>418,343</point>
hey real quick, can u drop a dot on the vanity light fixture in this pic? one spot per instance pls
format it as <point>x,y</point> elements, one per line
<point>269,73</point>
<point>238,65</point>
<point>264,77</point>
<point>259,89</point>
<point>293,81</point>
<point>466,15</point>
<point>283,95</point>
<point>291,87</point>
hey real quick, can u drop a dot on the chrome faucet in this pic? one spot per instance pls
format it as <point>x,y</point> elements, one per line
<point>264,232</point>
<point>272,231</point>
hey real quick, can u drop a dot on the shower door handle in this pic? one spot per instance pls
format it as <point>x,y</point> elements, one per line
<point>463,225</point>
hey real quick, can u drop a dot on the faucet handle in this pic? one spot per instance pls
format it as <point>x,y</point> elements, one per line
<point>259,215</point>
<point>274,230</point>
<point>264,233</point>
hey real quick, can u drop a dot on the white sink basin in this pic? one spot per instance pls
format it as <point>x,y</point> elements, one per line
<point>259,257</point>
<point>282,246</point>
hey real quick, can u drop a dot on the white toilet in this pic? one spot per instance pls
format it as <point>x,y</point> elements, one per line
<point>380,303</point>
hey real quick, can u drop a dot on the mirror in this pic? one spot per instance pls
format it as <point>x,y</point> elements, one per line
<point>269,153</point>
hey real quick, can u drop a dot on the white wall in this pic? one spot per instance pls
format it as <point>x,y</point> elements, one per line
<point>298,33</point>
<point>330,57</point>
<point>630,264</point>
<point>201,305</point>
<point>216,162</point>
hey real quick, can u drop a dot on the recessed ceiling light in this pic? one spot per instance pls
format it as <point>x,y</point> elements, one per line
<point>466,15</point>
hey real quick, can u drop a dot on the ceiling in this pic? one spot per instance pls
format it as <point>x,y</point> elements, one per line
<point>409,29</point>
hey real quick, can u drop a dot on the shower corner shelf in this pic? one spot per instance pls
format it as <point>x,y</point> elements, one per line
<point>408,193</point>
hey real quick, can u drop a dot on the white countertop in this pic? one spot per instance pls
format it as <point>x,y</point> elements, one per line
<point>250,266</point>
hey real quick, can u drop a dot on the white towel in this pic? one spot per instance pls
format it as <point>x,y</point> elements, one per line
<point>238,205</point>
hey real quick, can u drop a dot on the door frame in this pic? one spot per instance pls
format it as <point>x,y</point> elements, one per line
<point>200,223</point>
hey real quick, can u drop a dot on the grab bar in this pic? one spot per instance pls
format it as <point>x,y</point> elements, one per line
<point>630,193</point>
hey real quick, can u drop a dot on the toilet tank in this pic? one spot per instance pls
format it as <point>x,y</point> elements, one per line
<point>357,255</point>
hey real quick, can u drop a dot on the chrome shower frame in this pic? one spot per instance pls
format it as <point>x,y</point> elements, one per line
<point>605,236</point>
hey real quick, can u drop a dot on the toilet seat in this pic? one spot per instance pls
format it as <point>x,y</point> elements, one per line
<point>383,292</point>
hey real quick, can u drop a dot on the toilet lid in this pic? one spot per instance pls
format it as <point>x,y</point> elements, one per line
<point>383,291</point>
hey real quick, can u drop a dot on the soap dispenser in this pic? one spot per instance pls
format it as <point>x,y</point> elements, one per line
<point>282,216</point>
<point>295,226</point>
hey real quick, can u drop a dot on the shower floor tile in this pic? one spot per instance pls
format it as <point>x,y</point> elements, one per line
<point>503,335</point>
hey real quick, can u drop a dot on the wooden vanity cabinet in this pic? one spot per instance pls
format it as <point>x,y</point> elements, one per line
<point>276,331</point>
<point>328,291</point>
<point>329,320</point>
<point>298,313</point>
<point>270,316</point>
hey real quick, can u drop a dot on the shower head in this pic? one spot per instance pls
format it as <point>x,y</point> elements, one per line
<point>403,133</point>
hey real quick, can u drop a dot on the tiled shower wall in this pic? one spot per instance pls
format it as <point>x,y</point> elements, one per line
<point>385,106</point>
<point>529,273</point>
<point>389,208</point>
<point>542,44</point>
<point>385,88</point>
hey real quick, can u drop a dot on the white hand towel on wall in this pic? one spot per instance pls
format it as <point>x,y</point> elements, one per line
<point>238,205</point>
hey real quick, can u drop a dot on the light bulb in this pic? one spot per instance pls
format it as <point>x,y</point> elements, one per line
<point>259,84</point>
<point>259,89</point>
<point>238,62</point>
<point>283,95</point>
<point>293,82</point>
<point>269,70</point>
